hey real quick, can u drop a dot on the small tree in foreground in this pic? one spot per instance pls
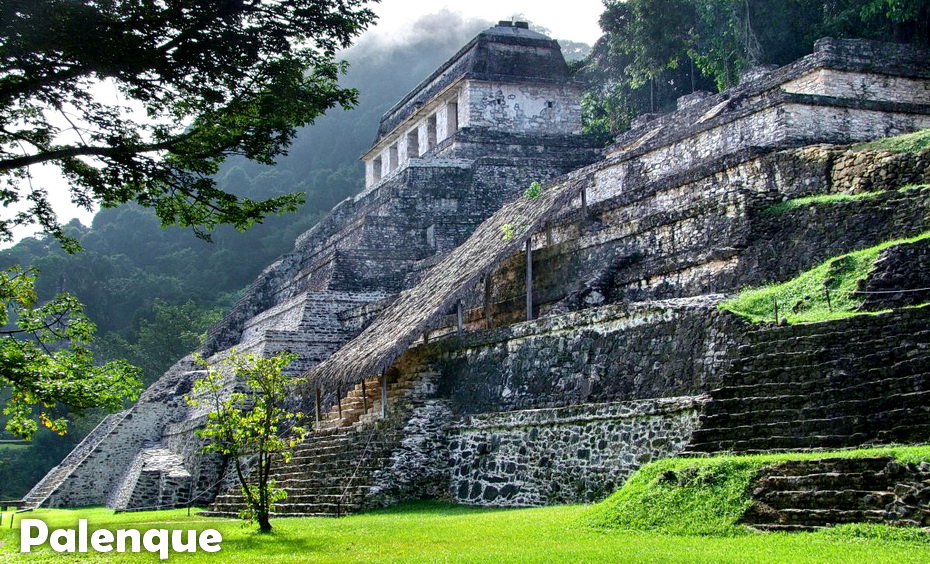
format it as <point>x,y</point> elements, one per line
<point>250,425</point>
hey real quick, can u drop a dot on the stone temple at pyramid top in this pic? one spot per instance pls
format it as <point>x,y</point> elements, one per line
<point>508,79</point>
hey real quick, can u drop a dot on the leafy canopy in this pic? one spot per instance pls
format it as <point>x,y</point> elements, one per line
<point>654,51</point>
<point>138,100</point>
<point>133,100</point>
<point>44,359</point>
<point>250,424</point>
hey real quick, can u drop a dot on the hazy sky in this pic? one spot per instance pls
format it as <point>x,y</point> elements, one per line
<point>577,22</point>
<point>575,19</point>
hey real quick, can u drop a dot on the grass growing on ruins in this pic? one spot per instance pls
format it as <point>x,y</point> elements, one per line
<point>907,143</point>
<point>436,532</point>
<point>823,293</point>
<point>708,496</point>
<point>816,199</point>
<point>826,199</point>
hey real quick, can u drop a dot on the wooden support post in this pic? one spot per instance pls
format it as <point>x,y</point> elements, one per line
<point>584,203</point>
<point>384,394</point>
<point>339,400</point>
<point>489,321</point>
<point>529,278</point>
<point>364,397</point>
<point>459,317</point>
<point>316,407</point>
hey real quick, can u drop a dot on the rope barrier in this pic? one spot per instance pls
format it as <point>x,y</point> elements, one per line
<point>890,291</point>
<point>361,459</point>
<point>189,503</point>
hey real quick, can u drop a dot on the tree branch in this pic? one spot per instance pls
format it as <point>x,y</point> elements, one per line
<point>90,151</point>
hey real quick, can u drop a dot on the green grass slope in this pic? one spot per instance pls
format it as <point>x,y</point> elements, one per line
<point>907,143</point>
<point>708,496</point>
<point>823,293</point>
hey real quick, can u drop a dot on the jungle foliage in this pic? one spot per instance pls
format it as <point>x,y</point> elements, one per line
<point>654,51</point>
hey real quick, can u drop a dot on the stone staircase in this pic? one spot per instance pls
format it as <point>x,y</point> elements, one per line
<point>331,470</point>
<point>47,486</point>
<point>361,405</point>
<point>801,495</point>
<point>824,386</point>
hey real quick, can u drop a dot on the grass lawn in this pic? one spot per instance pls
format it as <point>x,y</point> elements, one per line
<point>433,532</point>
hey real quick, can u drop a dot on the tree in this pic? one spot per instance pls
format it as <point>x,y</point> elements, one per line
<point>650,47</point>
<point>142,101</point>
<point>44,359</point>
<point>250,424</point>
<point>191,82</point>
<point>172,332</point>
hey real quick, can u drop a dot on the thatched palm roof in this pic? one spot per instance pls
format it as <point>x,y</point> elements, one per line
<point>419,308</point>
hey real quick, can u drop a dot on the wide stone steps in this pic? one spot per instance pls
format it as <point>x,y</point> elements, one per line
<point>327,484</point>
<point>331,470</point>
<point>909,425</point>
<point>335,469</point>
<point>795,339</point>
<point>778,443</point>
<point>850,375</point>
<point>899,381</point>
<point>360,406</point>
<point>803,411</point>
<point>331,495</point>
<point>790,368</point>
<point>812,494</point>
<point>746,412</point>
<point>292,510</point>
<point>817,518</point>
<point>823,385</point>
<point>836,499</point>
<point>837,417</point>
<point>849,329</point>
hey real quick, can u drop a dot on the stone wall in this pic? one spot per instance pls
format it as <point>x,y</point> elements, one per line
<point>563,455</point>
<point>854,115</point>
<point>901,277</point>
<point>614,353</point>
<point>156,479</point>
<point>206,469</point>
<point>418,466</point>
<point>709,231</point>
<point>522,108</point>
<point>871,86</point>
<point>855,171</point>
